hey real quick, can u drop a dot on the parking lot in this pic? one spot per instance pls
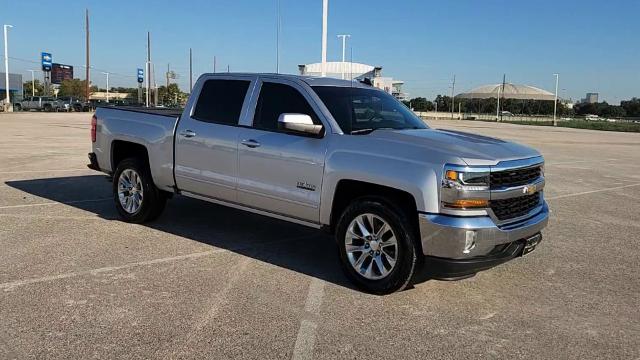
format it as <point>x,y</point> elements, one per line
<point>204,281</point>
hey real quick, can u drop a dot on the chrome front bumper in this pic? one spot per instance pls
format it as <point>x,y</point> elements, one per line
<point>457,237</point>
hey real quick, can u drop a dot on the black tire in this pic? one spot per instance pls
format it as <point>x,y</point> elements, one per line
<point>402,273</point>
<point>17,107</point>
<point>47,108</point>
<point>153,200</point>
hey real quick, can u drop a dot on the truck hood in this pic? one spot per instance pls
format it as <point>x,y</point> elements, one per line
<point>472,149</point>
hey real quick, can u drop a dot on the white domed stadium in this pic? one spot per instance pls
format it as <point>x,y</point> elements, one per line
<point>511,91</point>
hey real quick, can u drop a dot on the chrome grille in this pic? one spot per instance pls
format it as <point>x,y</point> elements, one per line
<point>512,208</point>
<point>514,177</point>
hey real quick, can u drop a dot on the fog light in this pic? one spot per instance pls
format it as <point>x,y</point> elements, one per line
<point>469,241</point>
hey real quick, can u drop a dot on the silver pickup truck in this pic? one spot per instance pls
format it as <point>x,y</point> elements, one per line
<point>401,198</point>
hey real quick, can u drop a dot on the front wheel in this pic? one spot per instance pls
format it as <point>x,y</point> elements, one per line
<point>136,197</point>
<point>377,246</point>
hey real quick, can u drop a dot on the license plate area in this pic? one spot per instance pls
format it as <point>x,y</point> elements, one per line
<point>531,243</point>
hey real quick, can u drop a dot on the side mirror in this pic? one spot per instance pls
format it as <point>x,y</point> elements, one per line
<point>300,123</point>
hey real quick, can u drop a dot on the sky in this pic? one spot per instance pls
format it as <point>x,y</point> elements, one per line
<point>593,45</point>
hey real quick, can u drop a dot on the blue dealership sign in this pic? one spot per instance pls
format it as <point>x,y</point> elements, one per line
<point>140,75</point>
<point>47,61</point>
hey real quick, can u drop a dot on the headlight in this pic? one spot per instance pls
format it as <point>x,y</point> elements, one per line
<point>465,188</point>
<point>466,180</point>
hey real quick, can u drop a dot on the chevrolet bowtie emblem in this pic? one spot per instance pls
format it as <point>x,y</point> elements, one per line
<point>529,189</point>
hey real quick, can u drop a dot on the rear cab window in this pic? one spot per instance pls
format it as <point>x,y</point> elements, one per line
<point>220,101</point>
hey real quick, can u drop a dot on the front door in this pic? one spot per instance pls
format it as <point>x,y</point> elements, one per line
<point>281,172</point>
<point>206,158</point>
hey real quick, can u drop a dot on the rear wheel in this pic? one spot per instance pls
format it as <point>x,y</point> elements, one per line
<point>47,108</point>
<point>136,197</point>
<point>377,246</point>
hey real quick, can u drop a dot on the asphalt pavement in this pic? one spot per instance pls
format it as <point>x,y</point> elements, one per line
<point>205,281</point>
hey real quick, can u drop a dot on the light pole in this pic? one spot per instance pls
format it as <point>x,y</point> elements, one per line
<point>344,41</point>
<point>106,73</point>
<point>33,83</point>
<point>325,12</point>
<point>6,69</point>
<point>555,102</point>
<point>277,36</point>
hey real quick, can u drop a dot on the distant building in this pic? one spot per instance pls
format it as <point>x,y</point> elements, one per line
<point>357,71</point>
<point>590,98</point>
<point>15,86</point>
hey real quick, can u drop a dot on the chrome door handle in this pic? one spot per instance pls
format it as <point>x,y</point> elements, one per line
<point>188,133</point>
<point>250,143</point>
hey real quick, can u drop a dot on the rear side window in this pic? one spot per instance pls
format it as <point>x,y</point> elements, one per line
<point>276,99</point>
<point>220,101</point>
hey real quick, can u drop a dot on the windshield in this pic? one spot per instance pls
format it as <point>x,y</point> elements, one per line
<point>359,110</point>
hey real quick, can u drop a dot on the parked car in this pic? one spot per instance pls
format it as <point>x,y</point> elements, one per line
<point>39,103</point>
<point>591,117</point>
<point>399,197</point>
<point>71,103</point>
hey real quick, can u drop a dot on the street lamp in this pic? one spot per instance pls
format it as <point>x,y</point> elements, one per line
<point>6,68</point>
<point>344,40</point>
<point>33,82</point>
<point>106,73</point>
<point>555,102</point>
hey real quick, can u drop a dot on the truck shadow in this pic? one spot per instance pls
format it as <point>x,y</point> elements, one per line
<point>277,242</point>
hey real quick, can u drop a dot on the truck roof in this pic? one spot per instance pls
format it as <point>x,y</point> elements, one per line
<point>310,80</point>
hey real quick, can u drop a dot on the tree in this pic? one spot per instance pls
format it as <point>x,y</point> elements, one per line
<point>73,87</point>
<point>631,107</point>
<point>421,104</point>
<point>171,96</point>
<point>27,86</point>
<point>443,103</point>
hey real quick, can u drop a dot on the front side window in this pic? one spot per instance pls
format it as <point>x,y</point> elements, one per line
<point>361,110</point>
<point>220,101</point>
<point>276,99</point>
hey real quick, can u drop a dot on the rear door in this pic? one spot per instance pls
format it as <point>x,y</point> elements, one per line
<point>281,172</point>
<point>206,145</point>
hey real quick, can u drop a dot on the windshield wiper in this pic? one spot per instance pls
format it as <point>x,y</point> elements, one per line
<point>370,130</point>
<point>361,131</point>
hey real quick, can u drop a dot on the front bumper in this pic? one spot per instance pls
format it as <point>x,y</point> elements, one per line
<point>457,237</point>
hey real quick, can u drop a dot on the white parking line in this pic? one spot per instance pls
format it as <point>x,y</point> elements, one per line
<point>54,203</point>
<point>12,284</point>
<point>306,338</point>
<point>52,217</point>
<point>591,192</point>
<point>42,171</point>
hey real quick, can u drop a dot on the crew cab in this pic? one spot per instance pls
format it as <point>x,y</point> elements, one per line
<point>400,197</point>
<point>39,103</point>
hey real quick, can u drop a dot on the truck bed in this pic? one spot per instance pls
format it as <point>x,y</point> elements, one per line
<point>172,112</point>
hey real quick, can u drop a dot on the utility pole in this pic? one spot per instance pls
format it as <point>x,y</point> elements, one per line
<point>7,100</point>
<point>86,85</point>
<point>344,40</point>
<point>106,73</point>
<point>33,82</point>
<point>277,36</point>
<point>148,70</point>
<point>325,14</point>
<point>498,106</point>
<point>504,79</point>
<point>555,102</point>
<point>453,87</point>
<point>190,72</point>
<point>214,63</point>
<point>168,72</point>
<point>228,69</point>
